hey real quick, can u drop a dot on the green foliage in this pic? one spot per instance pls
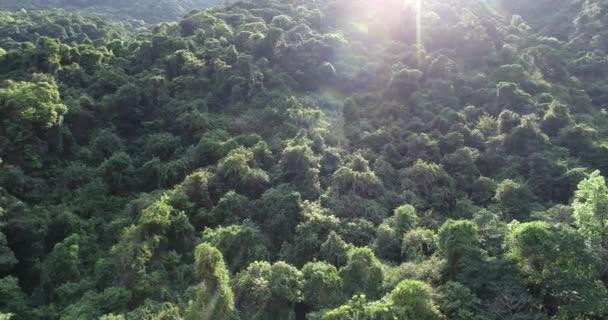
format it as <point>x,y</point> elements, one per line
<point>458,243</point>
<point>362,273</point>
<point>556,118</point>
<point>334,250</point>
<point>28,108</point>
<point>234,173</point>
<point>558,261</point>
<point>240,244</point>
<point>266,291</point>
<point>156,217</point>
<point>118,172</point>
<point>213,296</point>
<point>404,83</point>
<point>458,302</point>
<point>32,104</point>
<point>591,209</point>
<point>322,285</point>
<point>62,265</point>
<point>196,187</point>
<point>404,219</point>
<point>387,243</point>
<point>13,300</point>
<point>418,244</point>
<point>514,198</point>
<point>356,307</point>
<point>312,232</point>
<point>129,10</point>
<point>231,208</point>
<point>312,151</point>
<point>7,257</point>
<point>413,299</point>
<point>279,213</point>
<point>299,166</point>
<point>114,299</point>
<point>431,184</point>
<point>352,189</point>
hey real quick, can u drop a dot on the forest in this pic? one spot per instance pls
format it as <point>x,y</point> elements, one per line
<point>150,11</point>
<point>304,160</point>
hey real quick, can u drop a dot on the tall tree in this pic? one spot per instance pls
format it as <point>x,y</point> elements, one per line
<point>213,296</point>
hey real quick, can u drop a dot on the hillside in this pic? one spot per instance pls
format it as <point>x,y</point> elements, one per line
<point>150,11</point>
<point>297,159</point>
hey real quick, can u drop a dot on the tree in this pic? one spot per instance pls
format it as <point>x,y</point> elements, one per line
<point>28,109</point>
<point>591,209</point>
<point>13,300</point>
<point>413,300</point>
<point>404,219</point>
<point>418,244</point>
<point>562,268</point>
<point>156,218</point>
<point>286,287</point>
<point>514,198</point>
<point>507,120</point>
<point>36,104</point>
<point>409,300</point>
<point>196,187</point>
<point>7,257</point>
<point>240,244</point>
<point>232,208</point>
<point>351,189</point>
<point>459,244</point>
<point>47,58</point>
<point>557,117</point>
<point>322,285</point>
<point>404,83</point>
<point>431,184</point>
<point>252,290</point>
<point>114,299</point>
<point>62,265</point>
<point>334,250</point>
<point>300,167</point>
<point>266,291</point>
<point>117,172</point>
<point>311,232</point>
<point>387,243</point>
<point>512,97</point>
<point>279,212</point>
<point>213,296</point>
<point>458,302</point>
<point>235,173</point>
<point>362,273</point>
<point>526,138</point>
<point>182,62</point>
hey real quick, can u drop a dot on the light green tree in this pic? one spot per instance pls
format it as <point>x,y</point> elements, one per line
<point>591,209</point>
<point>33,103</point>
<point>213,299</point>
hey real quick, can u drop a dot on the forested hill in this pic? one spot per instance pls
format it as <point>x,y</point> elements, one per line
<point>151,11</point>
<point>298,159</point>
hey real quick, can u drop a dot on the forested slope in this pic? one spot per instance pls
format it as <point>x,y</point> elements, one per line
<point>151,11</point>
<point>328,159</point>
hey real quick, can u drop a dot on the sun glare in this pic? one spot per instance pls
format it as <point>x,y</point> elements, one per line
<point>419,29</point>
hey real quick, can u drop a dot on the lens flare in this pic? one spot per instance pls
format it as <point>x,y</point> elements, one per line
<point>493,6</point>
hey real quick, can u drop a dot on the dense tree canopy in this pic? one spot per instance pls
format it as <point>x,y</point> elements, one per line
<point>147,10</point>
<point>296,159</point>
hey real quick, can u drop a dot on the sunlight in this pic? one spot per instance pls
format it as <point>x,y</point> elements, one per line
<point>419,43</point>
